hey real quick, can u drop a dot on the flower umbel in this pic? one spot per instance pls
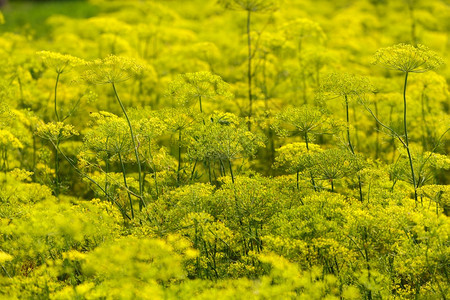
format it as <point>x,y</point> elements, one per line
<point>250,5</point>
<point>112,69</point>
<point>56,131</point>
<point>407,58</point>
<point>60,62</point>
<point>344,84</point>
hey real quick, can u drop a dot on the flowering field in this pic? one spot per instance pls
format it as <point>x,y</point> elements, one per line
<point>231,149</point>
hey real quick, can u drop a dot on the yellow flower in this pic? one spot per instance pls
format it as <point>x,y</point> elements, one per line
<point>60,62</point>
<point>5,257</point>
<point>250,5</point>
<point>407,58</point>
<point>112,69</point>
<point>56,131</point>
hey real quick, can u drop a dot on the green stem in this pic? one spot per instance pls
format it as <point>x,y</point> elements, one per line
<point>231,171</point>
<point>348,126</point>
<point>377,146</point>
<point>56,91</point>
<point>57,178</point>
<point>154,169</point>
<point>413,176</point>
<point>142,202</point>
<point>310,173</point>
<point>126,184</point>
<point>84,175</point>
<point>193,169</point>
<point>179,157</point>
<point>107,165</point>
<point>249,69</point>
<point>201,108</point>
<point>351,147</point>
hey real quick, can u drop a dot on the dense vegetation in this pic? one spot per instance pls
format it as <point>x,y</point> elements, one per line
<point>232,149</point>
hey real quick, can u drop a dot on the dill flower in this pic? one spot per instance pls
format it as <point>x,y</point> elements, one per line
<point>112,69</point>
<point>8,140</point>
<point>344,84</point>
<point>407,58</point>
<point>189,87</point>
<point>60,62</point>
<point>303,28</point>
<point>4,257</point>
<point>56,131</point>
<point>303,120</point>
<point>250,5</point>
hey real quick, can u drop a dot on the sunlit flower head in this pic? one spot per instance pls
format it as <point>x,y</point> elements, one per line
<point>344,84</point>
<point>56,131</point>
<point>251,5</point>
<point>112,69</point>
<point>189,86</point>
<point>60,63</point>
<point>408,58</point>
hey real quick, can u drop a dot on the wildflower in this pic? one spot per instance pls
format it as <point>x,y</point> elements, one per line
<point>4,257</point>
<point>305,120</point>
<point>407,58</point>
<point>250,5</point>
<point>8,140</point>
<point>60,62</point>
<point>344,84</point>
<point>112,69</point>
<point>197,86</point>
<point>301,29</point>
<point>56,131</point>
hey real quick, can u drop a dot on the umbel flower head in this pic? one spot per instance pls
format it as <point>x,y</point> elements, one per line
<point>112,69</point>
<point>55,131</point>
<point>60,62</point>
<point>344,84</point>
<point>251,5</point>
<point>302,28</point>
<point>190,86</point>
<point>407,58</point>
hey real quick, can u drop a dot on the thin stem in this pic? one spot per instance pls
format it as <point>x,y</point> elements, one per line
<point>122,210</point>
<point>310,173</point>
<point>406,138</point>
<point>142,202</point>
<point>57,177</point>
<point>348,126</point>
<point>179,157</point>
<point>56,91</point>
<point>231,171</point>
<point>209,171</point>
<point>154,169</point>
<point>126,184</point>
<point>351,147</point>
<point>377,149</point>
<point>193,170</point>
<point>249,70</point>
<point>107,165</point>
<point>201,108</point>
<point>6,272</point>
